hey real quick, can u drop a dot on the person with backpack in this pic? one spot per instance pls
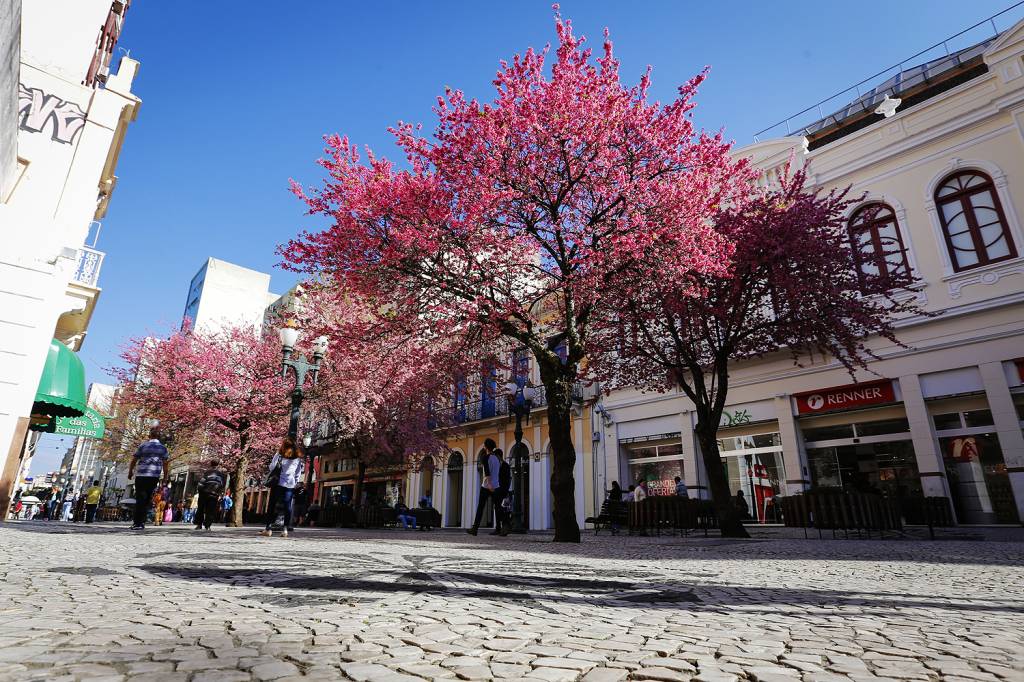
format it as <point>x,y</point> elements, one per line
<point>287,469</point>
<point>209,490</point>
<point>488,485</point>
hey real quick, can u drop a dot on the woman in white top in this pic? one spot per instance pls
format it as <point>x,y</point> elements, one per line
<point>287,470</point>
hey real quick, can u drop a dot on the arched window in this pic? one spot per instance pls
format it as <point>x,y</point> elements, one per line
<point>879,247</point>
<point>973,221</point>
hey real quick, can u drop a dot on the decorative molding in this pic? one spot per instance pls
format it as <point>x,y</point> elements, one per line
<point>989,275</point>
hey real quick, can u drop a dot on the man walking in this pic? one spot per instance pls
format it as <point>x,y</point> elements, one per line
<point>92,501</point>
<point>226,505</point>
<point>491,465</point>
<point>501,494</point>
<point>210,487</point>
<point>149,465</point>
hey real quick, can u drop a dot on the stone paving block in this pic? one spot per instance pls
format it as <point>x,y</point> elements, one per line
<point>658,673</point>
<point>605,675</point>
<point>273,671</point>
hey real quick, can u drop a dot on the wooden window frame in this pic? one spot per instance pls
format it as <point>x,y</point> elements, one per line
<point>884,215</point>
<point>963,198</point>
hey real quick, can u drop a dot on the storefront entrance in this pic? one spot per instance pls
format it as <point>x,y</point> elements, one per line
<point>867,457</point>
<point>756,472</point>
<point>975,469</point>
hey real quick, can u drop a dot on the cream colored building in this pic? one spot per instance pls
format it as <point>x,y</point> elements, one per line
<point>223,294</point>
<point>59,146</point>
<point>942,417</point>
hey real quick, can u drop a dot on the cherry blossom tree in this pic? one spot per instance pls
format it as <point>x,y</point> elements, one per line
<point>795,283</point>
<point>226,385</point>
<point>382,385</point>
<point>508,223</point>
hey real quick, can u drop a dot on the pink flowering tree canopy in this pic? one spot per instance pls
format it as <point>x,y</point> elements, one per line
<point>794,282</point>
<point>507,224</point>
<point>226,385</point>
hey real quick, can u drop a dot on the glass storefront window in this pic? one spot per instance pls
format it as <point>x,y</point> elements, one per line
<point>978,479</point>
<point>828,432</point>
<point>657,465</point>
<point>759,440</point>
<point>882,427</point>
<point>886,468</point>
<point>944,422</point>
<point>978,418</point>
<point>757,480</point>
<point>660,475</point>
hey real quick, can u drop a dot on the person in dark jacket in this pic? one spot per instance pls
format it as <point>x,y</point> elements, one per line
<point>210,487</point>
<point>500,494</point>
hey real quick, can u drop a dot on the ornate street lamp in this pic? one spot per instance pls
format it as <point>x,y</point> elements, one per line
<point>520,402</point>
<point>300,366</point>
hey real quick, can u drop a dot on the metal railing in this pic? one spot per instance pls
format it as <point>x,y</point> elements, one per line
<point>476,410</point>
<point>87,272</point>
<point>849,99</point>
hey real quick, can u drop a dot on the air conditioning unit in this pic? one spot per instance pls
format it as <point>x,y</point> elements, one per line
<point>103,73</point>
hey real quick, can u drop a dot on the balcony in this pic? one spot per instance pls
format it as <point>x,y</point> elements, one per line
<point>87,273</point>
<point>481,409</point>
<point>80,298</point>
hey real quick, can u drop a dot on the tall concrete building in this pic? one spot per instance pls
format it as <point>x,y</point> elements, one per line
<point>64,114</point>
<point>224,294</point>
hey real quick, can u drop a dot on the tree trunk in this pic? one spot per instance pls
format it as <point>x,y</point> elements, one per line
<point>729,522</point>
<point>563,458</point>
<point>238,492</point>
<point>357,489</point>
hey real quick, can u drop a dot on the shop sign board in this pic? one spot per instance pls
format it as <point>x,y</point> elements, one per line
<point>846,397</point>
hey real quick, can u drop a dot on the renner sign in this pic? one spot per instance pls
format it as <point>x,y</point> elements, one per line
<point>845,397</point>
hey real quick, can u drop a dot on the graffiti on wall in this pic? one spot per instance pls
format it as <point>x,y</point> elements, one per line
<point>37,111</point>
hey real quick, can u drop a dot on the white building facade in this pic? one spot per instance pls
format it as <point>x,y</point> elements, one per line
<point>223,294</point>
<point>59,146</point>
<point>944,179</point>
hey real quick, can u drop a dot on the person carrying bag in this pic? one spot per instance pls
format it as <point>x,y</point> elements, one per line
<point>210,487</point>
<point>286,472</point>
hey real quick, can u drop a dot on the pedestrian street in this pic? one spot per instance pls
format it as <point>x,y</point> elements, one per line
<point>171,604</point>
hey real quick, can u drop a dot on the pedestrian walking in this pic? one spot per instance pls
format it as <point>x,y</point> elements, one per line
<point>500,496</point>
<point>92,501</point>
<point>488,485</point>
<point>287,468</point>
<point>193,508</point>
<point>149,466</point>
<point>681,489</point>
<point>205,500</point>
<point>226,505</point>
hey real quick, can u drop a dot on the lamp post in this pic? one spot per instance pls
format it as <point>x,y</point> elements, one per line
<point>520,402</point>
<point>300,366</point>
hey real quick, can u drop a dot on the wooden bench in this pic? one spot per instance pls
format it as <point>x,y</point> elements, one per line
<point>612,516</point>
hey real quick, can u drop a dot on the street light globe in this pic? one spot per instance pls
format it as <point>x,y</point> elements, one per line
<point>529,393</point>
<point>511,388</point>
<point>307,439</point>
<point>289,336</point>
<point>320,345</point>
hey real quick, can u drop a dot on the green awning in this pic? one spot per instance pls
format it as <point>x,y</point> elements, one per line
<point>90,425</point>
<point>61,391</point>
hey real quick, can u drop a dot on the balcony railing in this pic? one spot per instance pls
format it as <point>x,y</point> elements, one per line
<point>477,410</point>
<point>87,273</point>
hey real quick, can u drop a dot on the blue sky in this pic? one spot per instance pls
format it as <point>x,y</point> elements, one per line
<point>236,97</point>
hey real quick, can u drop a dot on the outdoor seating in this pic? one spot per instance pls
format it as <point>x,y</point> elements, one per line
<point>427,517</point>
<point>670,515</point>
<point>840,510</point>
<point>612,515</point>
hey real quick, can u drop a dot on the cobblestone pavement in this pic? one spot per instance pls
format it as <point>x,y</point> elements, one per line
<point>100,603</point>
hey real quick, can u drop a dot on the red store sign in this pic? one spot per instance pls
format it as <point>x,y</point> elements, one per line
<point>845,397</point>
